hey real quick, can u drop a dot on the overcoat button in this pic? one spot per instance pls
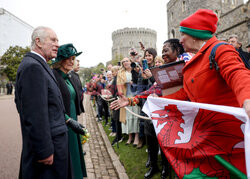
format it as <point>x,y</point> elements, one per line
<point>192,80</point>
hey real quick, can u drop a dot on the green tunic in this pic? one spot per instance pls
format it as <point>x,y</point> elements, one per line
<point>75,146</point>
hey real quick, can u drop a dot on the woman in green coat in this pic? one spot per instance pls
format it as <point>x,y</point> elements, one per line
<point>62,66</point>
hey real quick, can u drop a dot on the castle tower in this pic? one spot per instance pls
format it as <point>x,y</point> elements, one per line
<point>124,39</point>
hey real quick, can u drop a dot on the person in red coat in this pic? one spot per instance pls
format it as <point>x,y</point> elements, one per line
<point>230,84</point>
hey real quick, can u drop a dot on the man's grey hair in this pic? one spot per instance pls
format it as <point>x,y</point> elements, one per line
<point>109,72</point>
<point>39,32</point>
<point>233,36</point>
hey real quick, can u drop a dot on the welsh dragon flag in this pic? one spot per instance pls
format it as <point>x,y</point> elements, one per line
<point>192,134</point>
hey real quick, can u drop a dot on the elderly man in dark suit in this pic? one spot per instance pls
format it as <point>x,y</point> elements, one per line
<point>39,103</point>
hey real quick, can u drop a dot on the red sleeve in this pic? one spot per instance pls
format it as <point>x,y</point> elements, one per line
<point>234,72</point>
<point>179,95</point>
<point>153,89</point>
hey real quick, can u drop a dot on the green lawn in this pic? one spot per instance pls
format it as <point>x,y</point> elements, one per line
<point>133,159</point>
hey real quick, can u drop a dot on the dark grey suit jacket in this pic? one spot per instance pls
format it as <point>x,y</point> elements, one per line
<point>44,132</point>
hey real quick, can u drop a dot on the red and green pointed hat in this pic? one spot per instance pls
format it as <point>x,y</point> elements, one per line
<point>202,24</point>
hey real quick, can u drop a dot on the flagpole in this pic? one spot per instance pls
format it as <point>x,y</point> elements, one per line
<point>232,169</point>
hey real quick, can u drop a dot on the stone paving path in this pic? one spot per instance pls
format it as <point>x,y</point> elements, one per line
<point>10,138</point>
<point>101,160</point>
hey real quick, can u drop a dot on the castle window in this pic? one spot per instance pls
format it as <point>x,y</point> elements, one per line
<point>172,16</point>
<point>183,6</point>
<point>233,2</point>
<point>172,34</point>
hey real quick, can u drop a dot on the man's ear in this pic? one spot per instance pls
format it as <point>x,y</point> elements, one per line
<point>38,42</point>
<point>239,44</point>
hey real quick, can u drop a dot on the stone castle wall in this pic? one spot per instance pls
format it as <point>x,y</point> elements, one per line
<point>235,21</point>
<point>233,17</point>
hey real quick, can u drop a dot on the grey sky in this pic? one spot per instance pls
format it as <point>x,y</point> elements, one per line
<point>89,24</point>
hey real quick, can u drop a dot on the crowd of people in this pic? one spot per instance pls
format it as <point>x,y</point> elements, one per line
<point>132,81</point>
<point>133,84</point>
<point>49,99</point>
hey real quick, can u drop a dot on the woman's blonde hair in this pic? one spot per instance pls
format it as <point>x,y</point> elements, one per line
<point>122,66</point>
<point>57,65</point>
<point>115,69</point>
<point>159,58</point>
<point>121,75</point>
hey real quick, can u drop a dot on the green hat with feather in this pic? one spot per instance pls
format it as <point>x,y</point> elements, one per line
<point>65,51</point>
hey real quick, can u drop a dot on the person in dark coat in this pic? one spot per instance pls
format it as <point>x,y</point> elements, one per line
<point>75,77</point>
<point>116,113</point>
<point>234,41</point>
<point>39,103</point>
<point>62,66</point>
<point>248,49</point>
<point>9,87</point>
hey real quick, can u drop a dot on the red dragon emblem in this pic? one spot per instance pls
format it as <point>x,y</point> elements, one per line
<point>212,133</point>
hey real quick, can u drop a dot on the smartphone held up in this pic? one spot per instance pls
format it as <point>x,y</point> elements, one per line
<point>144,64</point>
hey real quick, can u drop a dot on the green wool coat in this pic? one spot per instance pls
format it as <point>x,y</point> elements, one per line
<point>75,146</point>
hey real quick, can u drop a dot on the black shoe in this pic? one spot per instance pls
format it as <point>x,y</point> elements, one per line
<point>164,172</point>
<point>83,152</point>
<point>151,172</point>
<point>114,142</point>
<point>120,140</point>
<point>148,162</point>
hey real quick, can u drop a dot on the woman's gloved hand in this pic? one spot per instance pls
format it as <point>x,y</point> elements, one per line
<point>75,126</point>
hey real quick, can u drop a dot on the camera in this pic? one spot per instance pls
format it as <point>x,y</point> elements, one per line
<point>134,64</point>
<point>133,53</point>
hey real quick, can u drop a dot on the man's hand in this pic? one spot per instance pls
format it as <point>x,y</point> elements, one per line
<point>75,126</point>
<point>47,161</point>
